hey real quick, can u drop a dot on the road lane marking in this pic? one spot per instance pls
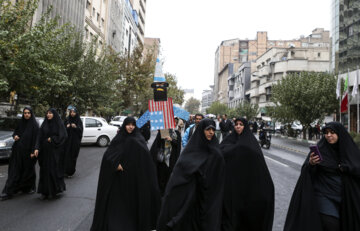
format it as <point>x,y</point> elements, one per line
<point>278,162</point>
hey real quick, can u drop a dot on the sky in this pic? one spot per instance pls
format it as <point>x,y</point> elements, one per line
<point>191,30</point>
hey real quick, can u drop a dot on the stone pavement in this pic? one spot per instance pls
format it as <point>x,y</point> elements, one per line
<point>292,144</point>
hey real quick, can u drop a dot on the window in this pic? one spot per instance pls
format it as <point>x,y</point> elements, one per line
<point>92,123</point>
<point>88,5</point>
<point>102,22</point>
<point>319,55</point>
<point>351,31</point>
<point>93,11</point>
<point>98,17</point>
<point>86,33</point>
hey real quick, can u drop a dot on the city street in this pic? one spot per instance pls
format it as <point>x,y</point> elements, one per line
<point>74,210</point>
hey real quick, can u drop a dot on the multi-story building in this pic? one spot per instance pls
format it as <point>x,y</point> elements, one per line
<point>239,83</point>
<point>114,36</point>
<point>140,7</point>
<point>238,51</point>
<point>69,11</point>
<point>349,50</point>
<point>276,63</point>
<point>96,16</point>
<point>129,27</point>
<point>335,20</point>
<point>206,99</point>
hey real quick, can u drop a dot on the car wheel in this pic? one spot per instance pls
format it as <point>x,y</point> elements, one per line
<point>103,141</point>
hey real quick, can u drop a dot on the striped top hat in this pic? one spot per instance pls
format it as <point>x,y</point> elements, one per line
<point>159,76</point>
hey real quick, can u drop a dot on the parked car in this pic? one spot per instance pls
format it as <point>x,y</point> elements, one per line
<point>7,127</point>
<point>117,121</point>
<point>97,130</point>
<point>296,125</point>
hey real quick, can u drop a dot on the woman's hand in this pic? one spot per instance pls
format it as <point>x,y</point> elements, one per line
<point>49,140</point>
<point>314,159</point>
<point>73,125</point>
<point>120,168</point>
<point>36,153</point>
<point>68,125</point>
<point>168,138</point>
<point>16,138</point>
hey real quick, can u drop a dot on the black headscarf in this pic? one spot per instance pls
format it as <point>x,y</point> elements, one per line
<point>137,183</point>
<point>344,157</point>
<point>75,120</point>
<point>193,194</point>
<point>249,190</point>
<point>27,130</point>
<point>54,128</point>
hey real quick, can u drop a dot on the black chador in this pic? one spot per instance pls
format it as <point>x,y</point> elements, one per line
<point>329,189</point>
<point>194,193</point>
<point>249,190</point>
<point>165,153</point>
<point>21,172</point>
<point>74,127</point>
<point>128,196</point>
<point>50,145</point>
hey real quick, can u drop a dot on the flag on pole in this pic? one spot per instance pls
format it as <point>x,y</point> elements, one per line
<point>345,98</point>
<point>338,86</point>
<point>356,85</point>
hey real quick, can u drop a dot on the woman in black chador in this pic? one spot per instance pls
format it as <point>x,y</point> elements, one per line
<point>327,194</point>
<point>74,127</point>
<point>249,189</point>
<point>50,151</point>
<point>165,153</point>
<point>128,196</point>
<point>21,172</point>
<point>194,193</point>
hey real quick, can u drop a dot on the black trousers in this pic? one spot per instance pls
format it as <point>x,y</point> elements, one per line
<point>330,223</point>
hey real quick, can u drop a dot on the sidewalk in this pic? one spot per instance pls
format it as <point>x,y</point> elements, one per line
<point>292,144</point>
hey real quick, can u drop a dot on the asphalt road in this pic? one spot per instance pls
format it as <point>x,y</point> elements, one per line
<point>74,210</point>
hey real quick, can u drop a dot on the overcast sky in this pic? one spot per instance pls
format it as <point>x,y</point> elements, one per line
<point>191,30</point>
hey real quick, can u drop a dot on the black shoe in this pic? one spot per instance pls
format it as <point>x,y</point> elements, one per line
<point>43,197</point>
<point>32,191</point>
<point>5,196</point>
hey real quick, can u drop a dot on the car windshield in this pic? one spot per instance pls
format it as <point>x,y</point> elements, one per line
<point>8,124</point>
<point>116,119</point>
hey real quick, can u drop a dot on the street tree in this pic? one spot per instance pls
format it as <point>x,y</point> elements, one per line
<point>245,109</point>
<point>217,108</point>
<point>174,91</point>
<point>305,96</point>
<point>192,105</point>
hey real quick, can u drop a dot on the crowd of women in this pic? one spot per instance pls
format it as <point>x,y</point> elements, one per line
<point>206,186</point>
<point>55,145</point>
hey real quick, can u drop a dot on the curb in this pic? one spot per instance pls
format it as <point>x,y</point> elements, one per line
<point>297,139</point>
<point>289,149</point>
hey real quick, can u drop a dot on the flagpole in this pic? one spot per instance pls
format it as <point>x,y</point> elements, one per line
<point>348,101</point>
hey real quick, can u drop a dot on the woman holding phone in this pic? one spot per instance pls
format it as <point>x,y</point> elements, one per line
<point>327,194</point>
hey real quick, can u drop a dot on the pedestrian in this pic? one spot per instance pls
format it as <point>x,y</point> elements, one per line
<point>193,195</point>
<point>255,127</point>
<point>218,129</point>
<point>225,126</point>
<point>249,189</point>
<point>310,132</point>
<point>327,194</point>
<point>179,124</point>
<point>127,195</point>
<point>21,170</point>
<point>189,122</point>
<point>191,129</point>
<point>145,131</point>
<point>50,149</point>
<point>74,128</point>
<point>165,152</point>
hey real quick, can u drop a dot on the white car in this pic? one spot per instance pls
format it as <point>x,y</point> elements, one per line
<point>118,121</point>
<point>97,130</point>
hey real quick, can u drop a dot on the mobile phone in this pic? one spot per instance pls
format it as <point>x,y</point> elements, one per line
<point>316,151</point>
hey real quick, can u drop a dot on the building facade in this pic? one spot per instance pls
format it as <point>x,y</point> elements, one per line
<point>129,27</point>
<point>335,21</point>
<point>114,36</point>
<point>239,83</point>
<point>140,7</point>
<point>69,11</point>
<point>96,20</point>
<point>276,63</point>
<point>206,100</point>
